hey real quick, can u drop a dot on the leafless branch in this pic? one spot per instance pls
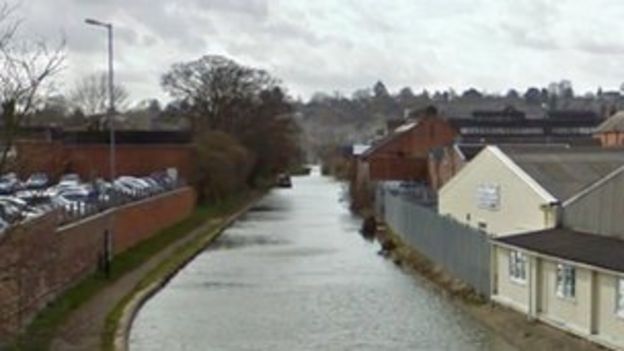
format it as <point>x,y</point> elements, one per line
<point>26,69</point>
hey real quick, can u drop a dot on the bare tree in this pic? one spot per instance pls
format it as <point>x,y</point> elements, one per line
<point>90,94</point>
<point>216,88</point>
<point>25,71</point>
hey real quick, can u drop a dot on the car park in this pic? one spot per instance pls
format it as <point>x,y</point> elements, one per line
<point>70,178</point>
<point>9,183</point>
<point>37,181</point>
<point>4,225</point>
<point>73,196</point>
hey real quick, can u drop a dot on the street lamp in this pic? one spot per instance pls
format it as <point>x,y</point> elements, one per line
<point>111,100</point>
<point>108,242</point>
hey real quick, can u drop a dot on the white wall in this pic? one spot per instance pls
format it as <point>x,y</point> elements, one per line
<point>520,202</point>
<point>591,313</point>
<point>509,292</point>
<point>610,326</point>
<point>568,313</point>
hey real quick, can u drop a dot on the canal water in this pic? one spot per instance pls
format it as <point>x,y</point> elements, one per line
<point>294,274</point>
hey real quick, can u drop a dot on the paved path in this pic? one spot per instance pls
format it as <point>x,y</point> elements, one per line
<point>82,330</point>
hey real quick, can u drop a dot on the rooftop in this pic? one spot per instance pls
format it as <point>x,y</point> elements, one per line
<point>563,170</point>
<point>389,138</point>
<point>614,123</point>
<point>595,250</point>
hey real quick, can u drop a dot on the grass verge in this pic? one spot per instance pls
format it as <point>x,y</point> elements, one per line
<point>166,268</point>
<point>39,334</point>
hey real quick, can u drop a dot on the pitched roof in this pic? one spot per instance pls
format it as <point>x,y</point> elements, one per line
<point>614,123</point>
<point>595,250</point>
<point>401,130</point>
<point>562,170</point>
<point>469,151</point>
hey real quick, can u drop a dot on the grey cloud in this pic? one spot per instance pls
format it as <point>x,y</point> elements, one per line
<point>253,8</point>
<point>601,47</point>
<point>531,38</point>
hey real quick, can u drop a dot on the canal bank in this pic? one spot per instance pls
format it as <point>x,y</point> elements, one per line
<point>120,318</point>
<point>294,274</point>
<point>512,326</point>
<point>83,328</point>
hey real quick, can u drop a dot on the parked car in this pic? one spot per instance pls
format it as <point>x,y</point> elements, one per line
<point>4,225</point>
<point>9,183</point>
<point>70,178</point>
<point>37,181</point>
<point>10,212</point>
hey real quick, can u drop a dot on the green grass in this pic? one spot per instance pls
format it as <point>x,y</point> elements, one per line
<point>41,331</point>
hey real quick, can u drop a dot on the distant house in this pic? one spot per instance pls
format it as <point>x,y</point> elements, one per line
<point>516,189</point>
<point>569,279</point>
<point>611,132</point>
<point>403,154</point>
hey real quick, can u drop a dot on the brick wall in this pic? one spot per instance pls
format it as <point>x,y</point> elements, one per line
<point>39,260</point>
<point>443,169</point>
<point>92,160</point>
<point>136,222</point>
<point>404,156</point>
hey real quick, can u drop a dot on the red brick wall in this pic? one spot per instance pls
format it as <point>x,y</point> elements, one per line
<point>38,261</point>
<point>388,168</point>
<point>441,171</point>
<point>91,160</point>
<point>136,222</point>
<point>611,139</point>
<point>37,156</point>
<point>405,156</point>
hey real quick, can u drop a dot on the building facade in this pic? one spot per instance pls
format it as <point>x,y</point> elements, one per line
<point>403,154</point>
<point>611,132</point>
<point>571,280</point>
<point>517,189</point>
<point>88,154</point>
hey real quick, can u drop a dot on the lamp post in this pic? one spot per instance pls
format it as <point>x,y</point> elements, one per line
<point>111,100</point>
<point>108,234</point>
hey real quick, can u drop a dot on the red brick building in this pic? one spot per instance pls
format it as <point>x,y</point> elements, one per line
<point>88,154</point>
<point>611,132</point>
<point>446,161</point>
<point>403,155</point>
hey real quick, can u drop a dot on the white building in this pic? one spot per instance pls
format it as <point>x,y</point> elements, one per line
<point>571,280</point>
<point>518,189</point>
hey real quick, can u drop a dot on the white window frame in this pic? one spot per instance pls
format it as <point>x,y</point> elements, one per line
<point>517,266</point>
<point>565,282</point>
<point>619,297</point>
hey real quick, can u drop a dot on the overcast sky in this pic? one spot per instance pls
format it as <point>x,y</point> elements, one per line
<point>327,45</point>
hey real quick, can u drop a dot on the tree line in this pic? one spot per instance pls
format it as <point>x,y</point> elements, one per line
<point>337,118</point>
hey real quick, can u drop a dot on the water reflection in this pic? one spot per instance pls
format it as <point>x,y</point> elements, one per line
<point>294,274</point>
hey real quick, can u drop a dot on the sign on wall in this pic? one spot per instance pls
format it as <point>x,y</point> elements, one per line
<point>488,196</point>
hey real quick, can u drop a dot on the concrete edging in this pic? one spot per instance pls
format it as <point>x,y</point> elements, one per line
<point>122,332</point>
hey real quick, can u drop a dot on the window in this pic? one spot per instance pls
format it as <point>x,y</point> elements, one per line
<point>566,281</point>
<point>482,227</point>
<point>517,266</point>
<point>619,296</point>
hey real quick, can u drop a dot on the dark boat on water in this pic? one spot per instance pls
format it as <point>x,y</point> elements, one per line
<point>283,181</point>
